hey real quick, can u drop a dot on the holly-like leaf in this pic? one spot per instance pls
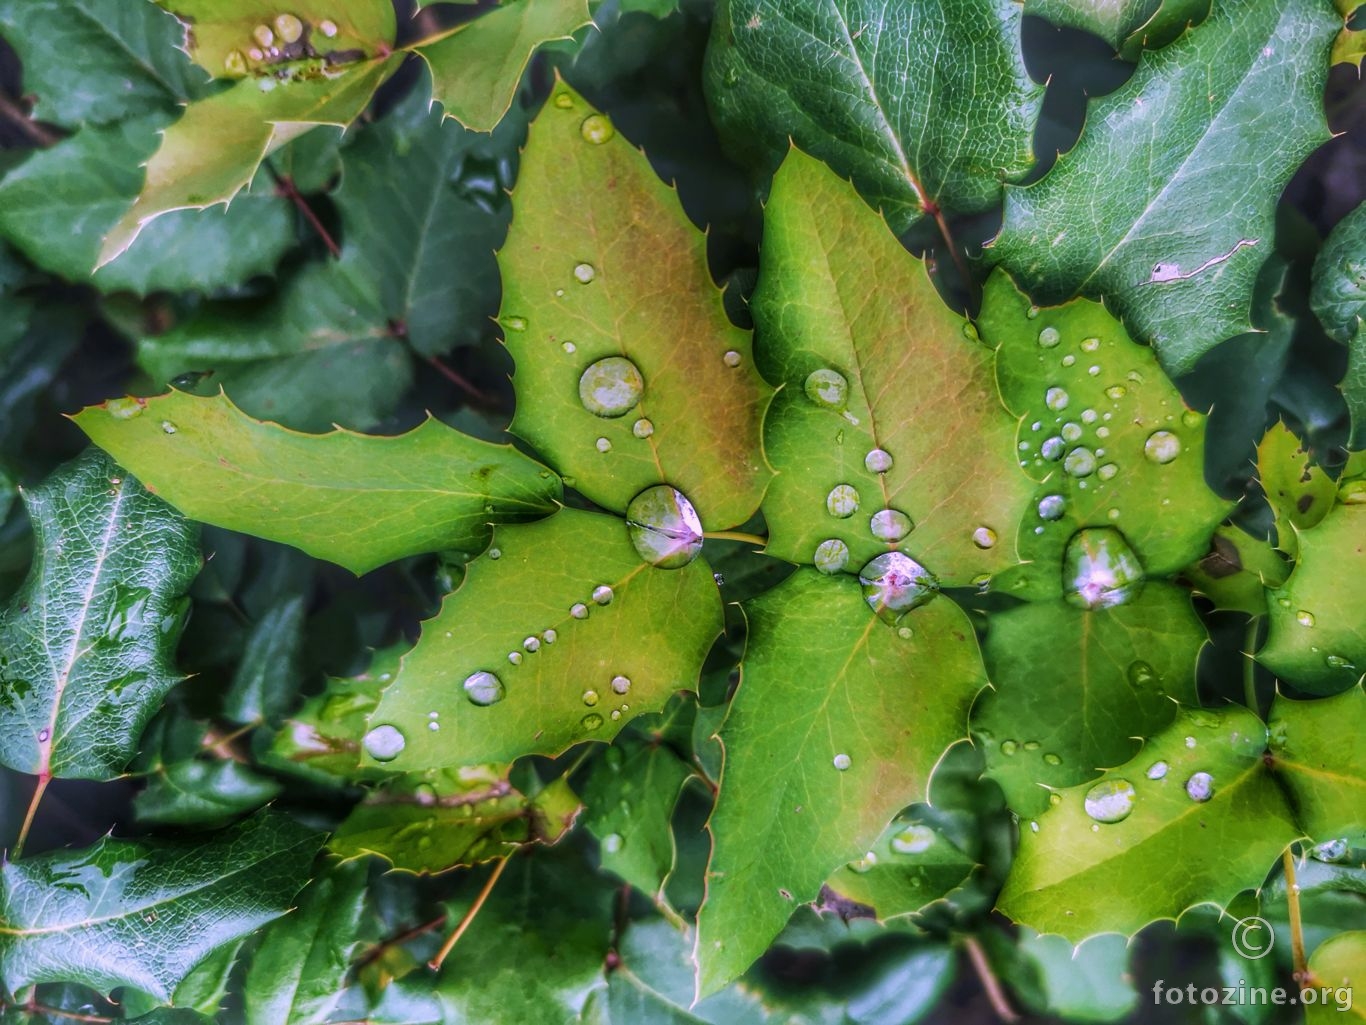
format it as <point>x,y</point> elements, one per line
<point>1130,26</point>
<point>264,683</point>
<point>1338,298</point>
<point>433,821</point>
<point>1075,689</point>
<point>86,645</point>
<point>297,975</point>
<point>1236,571</point>
<point>1199,786</point>
<point>197,792</point>
<point>1300,492</point>
<point>477,66</point>
<point>142,913</point>
<point>910,865</point>
<point>601,264</point>
<point>630,797</point>
<point>926,106</point>
<point>1103,433</point>
<point>838,721</point>
<point>356,500</point>
<point>560,634</point>
<point>1319,750</point>
<point>1336,963</point>
<point>874,366</point>
<point>1090,981</point>
<point>1127,214</point>
<point>1317,638</point>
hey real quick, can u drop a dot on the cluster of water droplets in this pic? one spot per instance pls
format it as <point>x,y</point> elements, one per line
<point>285,48</point>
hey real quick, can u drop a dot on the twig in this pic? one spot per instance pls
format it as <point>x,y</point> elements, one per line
<point>13,113</point>
<point>736,535</point>
<point>32,1007</point>
<point>377,951</point>
<point>1292,903</point>
<point>435,963</point>
<point>284,186</point>
<point>992,985</point>
<point>43,780</point>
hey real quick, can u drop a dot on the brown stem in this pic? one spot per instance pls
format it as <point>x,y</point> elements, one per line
<point>934,210</point>
<point>458,379</point>
<point>222,746</point>
<point>43,780</point>
<point>15,114</point>
<point>377,951</point>
<point>1292,902</point>
<point>992,985</point>
<point>32,1007</point>
<point>435,963</point>
<point>284,186</point>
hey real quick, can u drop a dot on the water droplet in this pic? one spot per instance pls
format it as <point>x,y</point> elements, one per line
<point>1052,759</point>
<point>905,633</point>
<point>515,323</point>
<point>843,761</point>
<point>385,743</point>
<point>484,689</point>
<point>591,721</point>
<point>913,840</point>
<point>1100,570</point>
<point>532,644</point>
<point>877,461</point>
<point>1009,747</point>
<point>1032,312</point>
<point>263,35</point>
<point>1056,399</point>
<point>1107,471</point>
<point>1049,337</point>
<point>569,347</point>
<point>550,636</point>
<point>255,54</point>
<point>664,527</point>
<point>515,657</point>
<point>1200,787</point>
<point>842,501</point>
<point>1031,745</point>
<point>1080,462</point>
<point>168,428</point>
<point>642,428</point>
<point>1088,416</point>
<point>433,726</point>
<point>890,525</point>
<point>1162,447</point>
<point>1190,742</point>
<point>590,698</point>
<point>831,556</point>
<point>584,273</point>
<point>731,358</point>
<point>611,387</point>
<point>564,101</point>
<point>1051,507</point>
<point>1142,676</point>
<point>44,735</point>
<point>603,595</point>
<point>1330,850</point>
<point>864,864</point>
<point>327,28</point>
<point>1055,799</point>
<point>1071,431</point>
<point>1158,770</point>
<point>603,445</point>
<point>1338,662</point>
<point>597,129</point>
<point>495,554</point>
<point>1304,617</point>
<point>1094,370</point>
<point>290,28</point>
<point>1052,449</point>
<point>984,537</point>
<point>1068,360</point>
<point>235,63</point>
<point>579,610</point>
<point>1090,344</point>
<point>827,388</point>
<point>611,843</point>
<point>895,583</point>
<point>1110,801</point>
<point>620,685</point>
<point>1116,391</point>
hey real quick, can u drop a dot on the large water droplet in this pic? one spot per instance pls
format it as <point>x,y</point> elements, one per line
<point>1080,462</point>
<point>584,273</point>
<point>878,461</point>
<point>597,129</point>
<point>1200,787</point>
<point>1052,449</point>
<point>1162,447</point>
<point>827,388</point>
<point>1051,507</point>
<point>385,743</point>
<point>620,685</point>
<point>1049,337</point>
<point>842,501</point>
<point>895,583</point>
<point>1110,801</point>
<point>913,840</point>
<point>890,525</point>
<point>611,387</point>
<point>842,761</point>
<point>1339,662</point>
<point>984,537</point>
<point>1056,399</point>
<point>484,689</point>
<point>532,644</point>
<point>602,595</point>
<point>664,527</point>
<point>1100,570</point>
<point>831,556</point>
<point>590,698</point>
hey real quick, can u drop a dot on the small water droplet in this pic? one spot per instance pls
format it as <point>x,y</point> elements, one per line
<point>1162,447</point>
<point>168,428</point>
<point>878,461</point>
<point>1051,507</point>
<point>905,633</point>
<point>515,323</point>
<point>1190,742</point>
<point>1080,462</point>
<point>620,685</point>
<point>495,554</point>
<point>1094,370</point>
<point>842,762</point>
<point>584,273</point>
<point>1031,745</point>
<point>827,388</point>
<point>1009,747</point>
<point>611,387</point>
<point>515,657</point>
<point>1338,662</point>
<point>612,842</point>
<point>569,347</point>
<point>731,358</point>
<point>664,527</point>
<point>642,428</point>
<point>984,537</point>
<point>550,636</point>
<point>433,726</point>
<point>1200,787</point>
<point>1100,570</point>
<point>263,35</point>
<point>1107,471</point>
<point>44,735</point>
<point>890,525</point>
<point>1052,449</point>
<point>579,610</point>
<point>1304,617</point>
<point>603,445</point>
<point>532,644</point>
<point>603,595</point>
<point>564,101</point>
<point>385,743</point>
<point>597,129</point>
<point>1142,676</point>
<point>590,698</point>
<point>1071,432</point>
<point>864,864</point>
<point>913,840</point>
<point>484,689</point>
<point>591,721</point>
<point>1110,801</point>
<point>1116,391</point>
<point>1068,360</point>
<point>1330,850</point>
<point>1049,337</point>
<point>895,583</point>
<point>1032,312</point>
<point>1052,759</point>
<point>1055,799</point>
<point>842,501</point>
<point>1090,344</point>
<point>327,27</point>
<point>1158,770</point>
<point>831,556</point>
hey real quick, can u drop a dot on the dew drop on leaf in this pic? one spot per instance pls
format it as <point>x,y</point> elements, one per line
<point>327,28</point>
<point>579,610</point>
<point>1051,507</point>
<point>913,840</point>
<point>1052,449</point>
<point>1162,447</point>
<point>878,461</point>
<point>564,101</point>
<point>532,644</point>
<point>597,129</point>
<point>1009,747</point>
<point>384,743</point>
<point>620,685</point>
<point>1200,787</point>
<point>842,761</point>
<point>842,501</point>
<point>1071,431</point>
<point>584,273</point>
<point>1056,399</point>
<point>1116,391</point>
<point>1080,462</point>
<point>602,595</point>
<point>1304,617</point>
<point>263,35</point>
<point>515,323</point>
<point>890,525</point>
<point>1330,850</point>
<point>1338,662</point>
<point>1100,570</point>
<point>1107,471</point>
<point>484,689</point>
<point>731,359</point>
<point>603,445</point>
<point>827,389</point>
<point>590,698</point>
<point>1049,337</point>
<point>611,387</point>
<point>612,843</point>
<point>1052,759</point>
<point>591,721</point>
<point>984,537</point>
<point>831,556</point>
<point>895,583</point>
<point>1110,801</point>
<point>642,428</point>
<point>1158,770</point>
<point>664,527</point>
<point>515,657</point>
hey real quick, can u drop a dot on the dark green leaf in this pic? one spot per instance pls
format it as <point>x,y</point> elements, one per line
<point>266,678</point>
<point>1128,25</point>
<point>196,792</point>
<point>1339,300</point>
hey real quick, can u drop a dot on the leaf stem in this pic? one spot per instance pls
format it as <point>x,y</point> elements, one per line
<point>44,778</point>
<point>992,985</point>
<point>969,283</point>
<point>15,114</point>
<point>284,186</point>
<point>1292,903</point>
<point>435,963</point>
<point>458,379</point>
<point>735,535</point>
<point>377,951</point>
<point>32,1007</point>
<point>1250,667</point>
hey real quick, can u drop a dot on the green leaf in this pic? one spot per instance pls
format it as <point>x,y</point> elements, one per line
<point>265,680</point>
<point>1076,689</point>
<point>1338,297</point>
<point>1317,638</point>
<point>1319,750</point>
<point>97,61</point>
<point>1090,981</point>
<point>1127,214</point>
<point>837,723</point>
<point>925,106</point>
<point>1102,429</point>
<point>86,646</point>
<point>417,492</point>
<point>1301,494</point>
<point>88,180</point>
<point>142,913</point>
<point>1337,963</point>
<point>436,820</point>
<point>630,797</point>
<point>1130,26</point>
<point>298,973</point>
<point>837,294</point>
<point>1236,572</point>
<point>617,647</point>
<point>1156,862</point>
<point>591,273</point>
<point>206,987</point>
<point>910,865</point>
<point>195,792</point>
<point>477,66</point>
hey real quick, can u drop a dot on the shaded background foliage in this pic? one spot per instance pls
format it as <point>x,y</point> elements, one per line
<point>270,624</point>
